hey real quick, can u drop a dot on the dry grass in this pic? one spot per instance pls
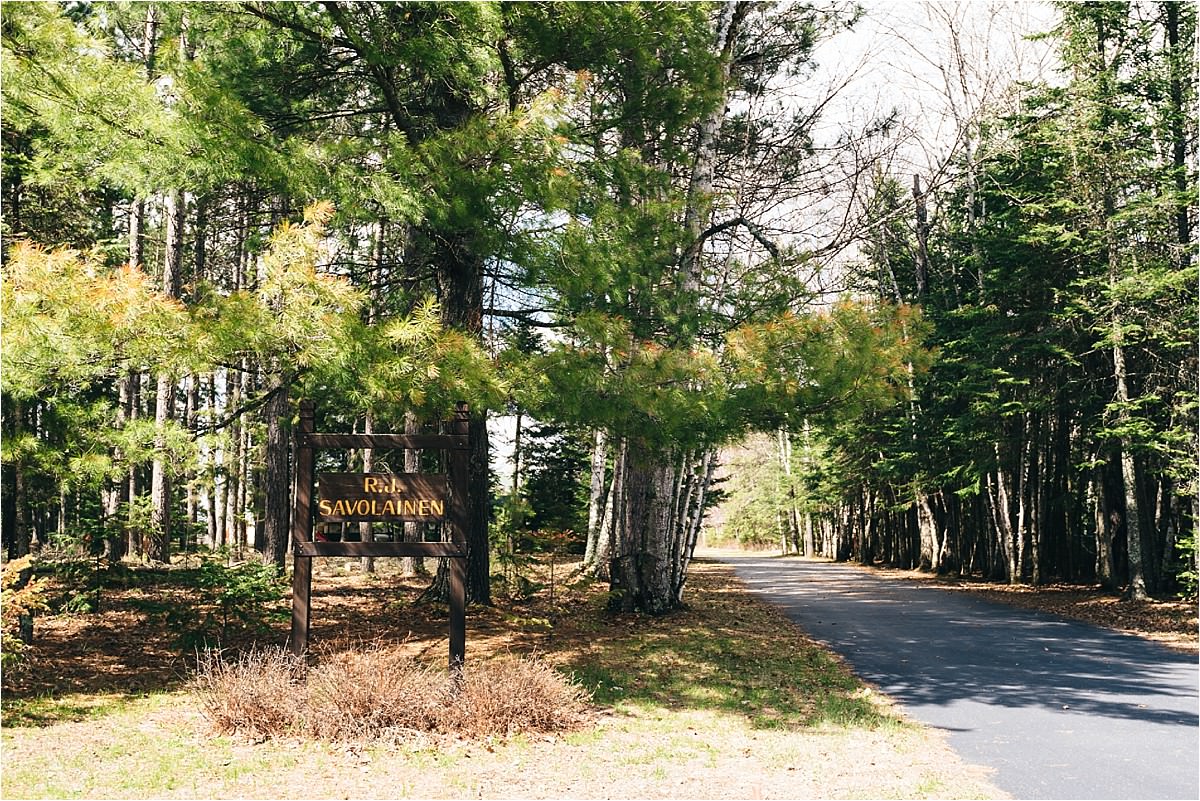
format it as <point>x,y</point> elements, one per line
<point>259,693</point>
<point>376,694</point>
<point>512,695</point>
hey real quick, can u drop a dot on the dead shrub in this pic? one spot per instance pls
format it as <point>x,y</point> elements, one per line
<point>258,693</point>
<point>376,694</point>
<point>510,695</point>
<point>372,694</point>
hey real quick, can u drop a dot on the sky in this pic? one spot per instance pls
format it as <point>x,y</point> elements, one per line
<point>936,64</point>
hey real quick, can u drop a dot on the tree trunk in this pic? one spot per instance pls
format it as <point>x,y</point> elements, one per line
<point>365,532</point>
<point>1133,528</point>
<point>610,520</point>
<point>596,497</point>
<point>931,539</point>
<point>999,501</point>
<point>22,537</point>
<point>412,565</point>
<point>641,567</point>
<point>1180,65</point>
<point>694,519</point>
<point>164,398</point>
<point>191,415</point>
<point>158,547</point>
<point>922,261</point>
<point>133,528</point>
<point>791,515</point>
<point>1105,560</point>
<point>459,273</point>
<point>276,482</point>
<point>700,183</point>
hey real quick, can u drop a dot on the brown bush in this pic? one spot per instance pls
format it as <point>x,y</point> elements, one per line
<point>510,695</point>
<point>259,693</point>
<point>367,695</point>
<point>373,694</point>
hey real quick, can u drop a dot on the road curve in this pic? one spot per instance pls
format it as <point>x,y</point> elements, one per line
<point>1059,709</point>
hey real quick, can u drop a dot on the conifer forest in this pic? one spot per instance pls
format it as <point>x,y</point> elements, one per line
<point>659,249</point>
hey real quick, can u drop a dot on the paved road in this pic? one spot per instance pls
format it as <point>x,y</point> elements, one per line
<point>1059,709</point>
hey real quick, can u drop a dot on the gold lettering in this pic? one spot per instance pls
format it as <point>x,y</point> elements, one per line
<point>362,507</point>
<point>389,507</point>
<point>439,508</point>
<point>339,507</point>
<point>423,506</point>
<point>410,508</point>
<point>370,484</point>
<point>325,507</point>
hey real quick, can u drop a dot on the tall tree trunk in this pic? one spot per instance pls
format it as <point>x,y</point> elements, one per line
<point>646,533</point>
<point>641,567</point>
<point>610,520</point>
<point>922,261</point>
<point>1105,559</point>
<point>1000,502</point>
<point>365,531</point>
<point>694,519</point>
<point>276,478</point>
<point>1180,64</point>
<point>412,565</point>
<point>22,537</point>
<point>1133,528</point>
<point>233,459</point>
<point>791,516</point>
<point>596,497</point>
<point>133,528</point>
<point>213,492</point>
<point>164,398</point>
<point>701,182</point>
<point>459,273</point>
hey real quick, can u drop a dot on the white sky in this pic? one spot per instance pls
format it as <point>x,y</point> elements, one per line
<point>933,62</point>
<point>938,64</point>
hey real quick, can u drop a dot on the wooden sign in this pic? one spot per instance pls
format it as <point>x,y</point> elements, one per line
<point>382,496</point>
<point>411,497</point>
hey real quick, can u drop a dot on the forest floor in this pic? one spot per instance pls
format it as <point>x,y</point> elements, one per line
<point>1172,622</point>
<point>725,699</point>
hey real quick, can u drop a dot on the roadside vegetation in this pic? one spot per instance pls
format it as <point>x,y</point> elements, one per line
<point>722,699</point>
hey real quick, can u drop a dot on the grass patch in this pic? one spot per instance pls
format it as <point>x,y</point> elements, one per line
<point>726,653</point>
<point>47,710</point>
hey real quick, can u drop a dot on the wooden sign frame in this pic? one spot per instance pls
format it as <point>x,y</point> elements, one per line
<point>304,548</point>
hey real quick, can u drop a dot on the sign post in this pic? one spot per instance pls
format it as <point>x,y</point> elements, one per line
<point>404,497</point>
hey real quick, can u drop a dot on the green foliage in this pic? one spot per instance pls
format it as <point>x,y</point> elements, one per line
<point>1189,573</point>
<point>81,578</point>
<point>557,475</point>
<point>754,491</point>
<point>70,322</point>
<point>508,534</point>
<point>246,597</point>
<point>1062,241</point>
<point>831,366</point>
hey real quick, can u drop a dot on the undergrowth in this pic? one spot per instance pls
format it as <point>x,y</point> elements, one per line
<point>379,695</point>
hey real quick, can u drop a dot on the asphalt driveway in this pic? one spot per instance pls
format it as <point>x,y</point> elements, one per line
<point>1059,709</point>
